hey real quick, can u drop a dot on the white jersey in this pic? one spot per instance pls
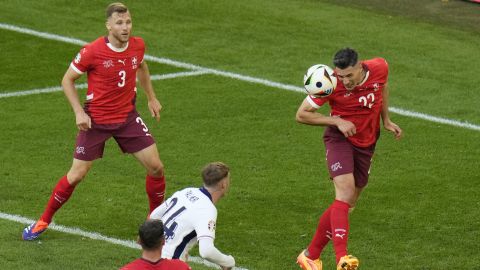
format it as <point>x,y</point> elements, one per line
<point>188,215</point>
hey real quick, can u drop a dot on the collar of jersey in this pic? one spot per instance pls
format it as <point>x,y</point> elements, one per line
<point>115,49</point>
<point>205,191</point>
<point>150,262</point>
<point>367,74</point>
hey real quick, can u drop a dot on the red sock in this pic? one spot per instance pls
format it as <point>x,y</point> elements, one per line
<point>339,222</point>
<point>62,191</point>
<point>322,235</point>
<point>155,187</point>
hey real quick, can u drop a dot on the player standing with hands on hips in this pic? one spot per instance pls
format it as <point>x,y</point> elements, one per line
<point>352,130</point>
<point>112,63</point>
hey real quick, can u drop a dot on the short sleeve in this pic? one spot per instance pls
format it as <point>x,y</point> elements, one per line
<point>316,102</point>
<point>83,61</point>
<point>382,66</point>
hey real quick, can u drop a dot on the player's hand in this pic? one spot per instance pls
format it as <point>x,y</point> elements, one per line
<point>394,128</point>
<point>231,267</point>
<point>346,127</point>
<point>155,107</point>
<point>83,121</point>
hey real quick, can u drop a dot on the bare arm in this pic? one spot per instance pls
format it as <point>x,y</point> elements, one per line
<point>82,120</point>
<point>143,75</point>
<point>387,123</point>
<point>307,114</point>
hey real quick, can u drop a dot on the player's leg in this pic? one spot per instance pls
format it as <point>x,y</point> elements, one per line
<point>345,196</point>
<point>60,195</point>
<point>65,186</point>
<point>362,160</point>
<point>339,156</point>
<point>89,146</point>
<point>155,179</point>
<point>135,138</point>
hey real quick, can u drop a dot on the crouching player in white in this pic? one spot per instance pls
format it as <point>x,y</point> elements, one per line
<point>190,215</point>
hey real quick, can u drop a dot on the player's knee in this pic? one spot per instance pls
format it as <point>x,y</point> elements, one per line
<point>156,169</point>
<point>346,196</point>
<point>76,175</point>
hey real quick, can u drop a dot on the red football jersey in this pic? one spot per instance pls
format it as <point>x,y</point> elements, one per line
<point>162,264</point>
<point>112,74</point>
<point>362,105</point>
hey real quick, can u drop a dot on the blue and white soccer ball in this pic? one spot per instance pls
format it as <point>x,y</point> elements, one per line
<point>320,81</point>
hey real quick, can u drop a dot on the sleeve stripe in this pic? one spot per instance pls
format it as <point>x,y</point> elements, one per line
<point>312,103</point>
<point>198,237</point>
<point>76,69</point>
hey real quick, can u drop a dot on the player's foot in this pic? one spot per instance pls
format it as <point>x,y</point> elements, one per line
<point>348,262</point>
<point>307,263</point>
<point>33,231</point>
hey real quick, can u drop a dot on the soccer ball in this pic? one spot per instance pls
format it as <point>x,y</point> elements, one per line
<point>320,81</point>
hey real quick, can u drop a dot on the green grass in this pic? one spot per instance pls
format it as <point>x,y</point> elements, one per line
<point>419,209</point>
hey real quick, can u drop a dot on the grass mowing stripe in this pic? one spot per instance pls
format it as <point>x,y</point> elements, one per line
<point>97,236</point>
<point>84,85</point>
<point>232,75</point>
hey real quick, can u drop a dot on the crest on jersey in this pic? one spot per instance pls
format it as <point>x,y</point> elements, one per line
<point>108,63</point>
<point>78,58</point>
<point>212,225</point>
<point>134,62</point>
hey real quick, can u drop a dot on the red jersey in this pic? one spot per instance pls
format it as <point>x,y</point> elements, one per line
<point>362,105</point>
<point>112,74</point>
<point>162,264</point>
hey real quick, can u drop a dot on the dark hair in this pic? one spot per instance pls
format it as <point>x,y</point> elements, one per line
<point>344,58</point>
<point>214,172</point>
<point>115,7</point>
<point>151,234</point>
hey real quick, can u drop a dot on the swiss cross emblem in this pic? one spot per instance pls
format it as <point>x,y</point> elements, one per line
<point>134,62</point>
<point>376,86</point>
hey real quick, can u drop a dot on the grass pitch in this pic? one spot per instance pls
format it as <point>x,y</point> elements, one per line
<point>418,212</point>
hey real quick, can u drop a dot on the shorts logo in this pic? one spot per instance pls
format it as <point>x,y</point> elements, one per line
<point>211,225</point>
<point>80,150</point>
<point>336,166</point>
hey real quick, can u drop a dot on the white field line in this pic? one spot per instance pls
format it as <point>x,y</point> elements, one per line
<point>84,85</point>
<point>434,118</point>
<point>97,236</point>
<point>237,76</point>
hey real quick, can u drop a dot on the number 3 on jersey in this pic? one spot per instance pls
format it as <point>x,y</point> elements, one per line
<point>170,225</point>
<point>122,75</point>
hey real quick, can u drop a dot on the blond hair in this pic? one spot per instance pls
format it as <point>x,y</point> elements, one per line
<point>115,7</point>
